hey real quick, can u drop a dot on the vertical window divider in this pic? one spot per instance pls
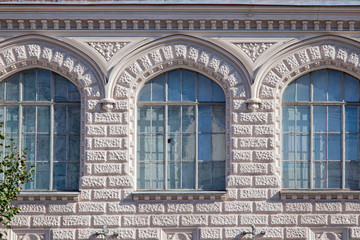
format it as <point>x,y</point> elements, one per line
<point>151,145</point>
<point>343,132</point>
<point>181,146</point>
<point>196,133</point>
<point>20,133</point>
<point>165,142</point>
<point>311,134</point>
<point>52,96</point>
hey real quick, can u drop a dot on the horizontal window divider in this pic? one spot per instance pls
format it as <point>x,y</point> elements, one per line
<point>178,195</point>
<point>319,194</point>
<point>48,196</point>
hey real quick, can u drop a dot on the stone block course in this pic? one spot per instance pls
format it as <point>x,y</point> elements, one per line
<point>149,234</point>
<point>165,221</point>
<point>328,207</point>
<point>116,207</point>
<point>180,207</point>
<point>238,206</point>
<point>242,130</point>
<point>264,130</point>
<point>296,233</point>
<point>121,181</point>
<point>253,168</point>
<point>151,208</point>
<point>110,221</point>
<point>252,118</point>
<point>242,156</point>
<point>63,234</point>
<point>96,130</point>
<point>21,221</point>
<point>136,221</point>
<point>224,220</point>
<point>95,156</point>
<point>107,168</point>
<point>210,233</point>
<point>76,221</point>
<point>250,219</point>
<point>298,207</point>
<point>283,219</point>
<point>46,221</point>
<point>93,182</point>
<point>352,206</point>
<point>63,208</point>
<point>119,156</point>
<point>314,219</point>
<point>270,207</point>
<point>252,143</point>
<point>267,181</point>
<point>264,156</point>
<point>194,220</point>
<point>239,181</point>
<point>91,207</point>
<point>213,207</point>
<point>31,208</point>
<point>342,219</point>
<point>253,193</point>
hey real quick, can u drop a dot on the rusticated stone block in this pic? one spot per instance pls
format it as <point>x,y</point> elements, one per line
<point>267,105</point>
<point>253,219</point>
<point>235,233</point>
<point>113,221</point>
<point>149,234</point>
<point>342,219</point>
<point>232,194</point>
<point>96,130</point>
<point>210,233</point>
<point>224,220</point>
<point>120,156</point>
<point>165,221</point>
<point>110,117</point>
<point>298,207</point>
<point>123,181</point>
<point>253,193</point>
<point>151,208</point>
<point>80,221</point>
<point>352,206</point>
<point>96,156</point>
<point>20,221</point>
<point>46,221</point>
<point>239,181</point>
<point>253,118</point>
<point>253,168</point>
<point>264,130</point>
<point>273,233</point>
<point>253,143</point>
<point>328,207</point>
<point>240,156</point>
<point>91,207</point>
<point>242,130</point>
<point>272,207</point>
<point>355,233</point>
<point>86,234</point>
<point>107,194</point>
<point>180,208</point>
<point>31,208</point>
<point>313,219</point>
<point>237,206</point>
<point>267,181</point>
<point>107,168</point>
<point>264,156</point>
<point>121,207</point>
<point>121,105</point>
<point>296,233</point>
<point>93,181</point>
<point>109,143</point>
<point>238,104</point>
<point>283,219</point>
<point>62,208</point>
<point>194,220</point>
<point>63,234</point>
<point>267,92</point>
<point>85,195</point>
<point>212,207</point>
<point>118,130</point>
<point>136,221</point>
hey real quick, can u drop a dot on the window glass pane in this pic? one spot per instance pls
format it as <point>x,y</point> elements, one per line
<point>44,80</point>
<point>157,148</point>
<point>204,152</point>
<point>204,89</point>
<point>73,93</point>
<point>12,88</point>
<point>144,147</point>
<point>288,175</point>
<point>288,119</point>
<point>59,176</point>
<point>334,147</point>
<point>157,119</point>
<point>144,119</point>
<point>320,174</point>
<point>174,147</point>
<point>302,119</point>
<point>204,119</point>
<point>352,146</point>
<point>60,119</point>
<point>302,175</point>
<point>218,119</point>
<point>31,184</point>
<point>217,93</point>
<point>74,119</point>
<point>29,144</point>
<point>73,175</point>
<point>334,83</point>
<point>319,79</point>
<point>29,85</point>
<point>29,119</point>
<point>302,147</point>
<point>319,147</point>
<point>43,119</point>
<point>43,148</point>
<point>218,177</point>
<point>351,88</point>
<point>188,119</point>
<point>334,119</point>
<point>74,148</point>
<point>157,175</point>
<point>174,118</point>
<point>157,90</point>
<point>351,119</point>
<point>205,175</point>
<point>143,176</point>
<point>174,175</point>
<point>12,119</point>
<point>188,86</point>
<point>188,175</point>
<point>42,175</point>
<point>218,148</point>
<point>2,90</point>
<point>188,147</point>
<point>319,119</point>
<point>60,89</point>
<point>144,94</point>
<point>334,174</point>
<point>174,86</point>
<point>60,151</point>
<point>289,92</point>
<point>352,169</point>
<point>288,150</point>
<point>303,88</point>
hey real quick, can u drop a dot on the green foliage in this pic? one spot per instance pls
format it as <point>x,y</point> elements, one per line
<point>13,174</point>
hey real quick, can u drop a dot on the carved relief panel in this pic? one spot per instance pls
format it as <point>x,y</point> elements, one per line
<point>329,234</point>
<point>179,234</point>
<point>29,235</point>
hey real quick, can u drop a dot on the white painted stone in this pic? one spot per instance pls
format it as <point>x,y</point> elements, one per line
<point>210,233</point>
<point>165,221</point>
<point>76,221</point>
<point>224,220</point>
<point>136,221</point>
<point>91,207</point>
<point>107,194</point>
<point>298,207</point>
<point>283,219</point>
<point>253,193</point>
<point>272,207</point>
<point>179,208</point>
<point>328,207</point>
<point>238,206</point>
<point>253,219</point>
<point>214,207</point>
<point>46,221</point>
<point>62,208</point>
<point>63,234</point>
<point>111,221</point>
<point>296,233</point>
<point>315,219</point>
<point>117,207</point>
<point>194,220</point>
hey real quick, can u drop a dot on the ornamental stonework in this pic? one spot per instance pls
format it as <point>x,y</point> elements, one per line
<point>253,50</point>
<point>107,49</point>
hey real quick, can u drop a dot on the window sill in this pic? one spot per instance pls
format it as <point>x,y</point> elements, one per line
<point>319,194</point>
<point>178,195</point>
<point>48,196</point>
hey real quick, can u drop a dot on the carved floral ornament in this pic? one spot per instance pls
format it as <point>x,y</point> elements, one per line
<point>27,55</point>
<point>107,49</point>
<point>253,50</point>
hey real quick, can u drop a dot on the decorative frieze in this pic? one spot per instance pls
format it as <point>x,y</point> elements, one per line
<point>107,49</point>
<point>253,50</point>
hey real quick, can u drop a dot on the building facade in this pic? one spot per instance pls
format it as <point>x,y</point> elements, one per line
<point>184,121</point>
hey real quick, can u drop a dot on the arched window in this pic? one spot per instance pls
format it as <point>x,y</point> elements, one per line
<point>181,133</point>
<point>41,112</point>
<point>320,132</point>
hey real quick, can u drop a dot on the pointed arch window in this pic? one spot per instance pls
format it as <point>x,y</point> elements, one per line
<point>320,132</point>
<point>181,133</point>
<point>41,112</point>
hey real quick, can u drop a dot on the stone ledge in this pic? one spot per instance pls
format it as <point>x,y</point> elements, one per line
<point>48,196</point>
<point>170,195</point>
<point>319,194</point>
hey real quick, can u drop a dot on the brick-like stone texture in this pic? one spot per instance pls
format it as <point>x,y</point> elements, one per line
<point>91,207</point>
<point>62,208</point>
<point>224,220</point>
<point>250,219</point>
<point>63,234</point>
<point>46,221</point>
<point>180,208</point>
<point>328,207</point>
<point>238,206</point>
<point>210,233</point>
<point>213,207</point>
<point>165,221</point>
<point>296,233</point>
<point>194,220</point>
<point>78,221</point>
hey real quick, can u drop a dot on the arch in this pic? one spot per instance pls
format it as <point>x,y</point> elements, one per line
<point>36,51</point>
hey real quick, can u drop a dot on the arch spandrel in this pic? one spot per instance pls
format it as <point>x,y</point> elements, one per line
<point>40,52</point>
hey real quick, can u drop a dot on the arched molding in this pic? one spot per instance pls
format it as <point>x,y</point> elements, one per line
<point>35,51</point>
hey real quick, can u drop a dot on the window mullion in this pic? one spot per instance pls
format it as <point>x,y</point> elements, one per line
<point>311,135</point>
<point>343,146</point>
<point>196,136</point>
<point>166,148</point>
